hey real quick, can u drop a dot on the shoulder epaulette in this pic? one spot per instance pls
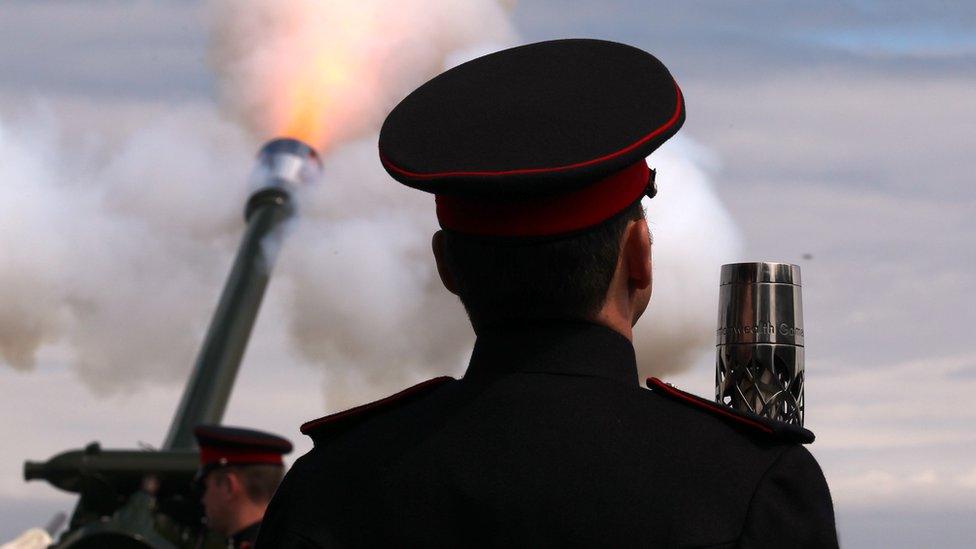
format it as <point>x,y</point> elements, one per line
<point>779,430</point>
<point>341,420</point>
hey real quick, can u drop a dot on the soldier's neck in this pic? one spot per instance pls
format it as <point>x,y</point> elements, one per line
<point>615,322</point>
<point>249,514</point>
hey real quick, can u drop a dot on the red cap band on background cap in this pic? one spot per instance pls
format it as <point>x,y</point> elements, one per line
<point>544,215</point>
<point>230,456</point>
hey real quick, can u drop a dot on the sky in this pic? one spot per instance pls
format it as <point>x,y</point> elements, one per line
<point>837,135</point>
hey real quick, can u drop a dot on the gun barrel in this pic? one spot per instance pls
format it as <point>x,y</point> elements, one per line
<point>123,470</point>
<point>284,165</point>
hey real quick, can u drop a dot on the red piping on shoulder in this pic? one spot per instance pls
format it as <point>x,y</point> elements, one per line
<point>526,171</point>
<point>308,427</point>
<point>658,385</point>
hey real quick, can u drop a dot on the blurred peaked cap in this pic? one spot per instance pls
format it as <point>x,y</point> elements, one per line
<point>541,139</point>
<point>221,445</point>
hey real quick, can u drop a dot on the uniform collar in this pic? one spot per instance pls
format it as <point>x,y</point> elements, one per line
<point>245,537</point>
<point>563,347</point>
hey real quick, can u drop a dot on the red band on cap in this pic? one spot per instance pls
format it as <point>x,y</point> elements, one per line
<point>229,456</point>
<point>546,215</point>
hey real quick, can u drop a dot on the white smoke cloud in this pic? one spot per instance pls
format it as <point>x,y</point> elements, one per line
<point>30,304</point>
<point>693,236</point>
<point>118,254</point>
<point>369,306</point>
<point>115,253</point>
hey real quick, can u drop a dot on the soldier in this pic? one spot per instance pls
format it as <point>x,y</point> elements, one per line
<point>240,469</point>
<point>536,157</point>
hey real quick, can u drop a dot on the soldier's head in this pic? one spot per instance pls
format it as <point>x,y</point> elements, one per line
<point>536,156</point>
<point>240,469</point>
<point>580,276</point>
<point>233,494</point>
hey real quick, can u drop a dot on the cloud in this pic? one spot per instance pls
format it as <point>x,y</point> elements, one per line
<point>897,435</point>
<point>111,49</point>
<point>968,479</point>
<point>114,252</point>
<point>842,127</point>
<point>878,487</point>
<point>797,32</point>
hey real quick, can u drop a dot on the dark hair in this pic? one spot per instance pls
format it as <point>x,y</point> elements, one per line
<point>260,481</point>
<point>499,280</point>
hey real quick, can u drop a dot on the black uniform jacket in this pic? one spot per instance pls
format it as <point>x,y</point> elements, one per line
<point>548,440</point>
<point>244,539</point>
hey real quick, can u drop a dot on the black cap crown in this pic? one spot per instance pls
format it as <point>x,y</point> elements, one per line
<point>541,119</point>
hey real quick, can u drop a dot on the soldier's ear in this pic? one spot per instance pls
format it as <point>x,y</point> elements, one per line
<point>221,482</point>
<point>231,483</point>
<point>636,251</point>
<point>437,243</point>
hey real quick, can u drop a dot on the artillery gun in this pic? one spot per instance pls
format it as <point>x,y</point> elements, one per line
<point>146,498</point>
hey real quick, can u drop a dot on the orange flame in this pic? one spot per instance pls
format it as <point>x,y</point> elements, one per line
<point>306,109</point>
<point>325,71</point>
<point>320,75</point>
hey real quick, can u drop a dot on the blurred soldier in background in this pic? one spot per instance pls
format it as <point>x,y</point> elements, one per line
<point>240,469</point>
